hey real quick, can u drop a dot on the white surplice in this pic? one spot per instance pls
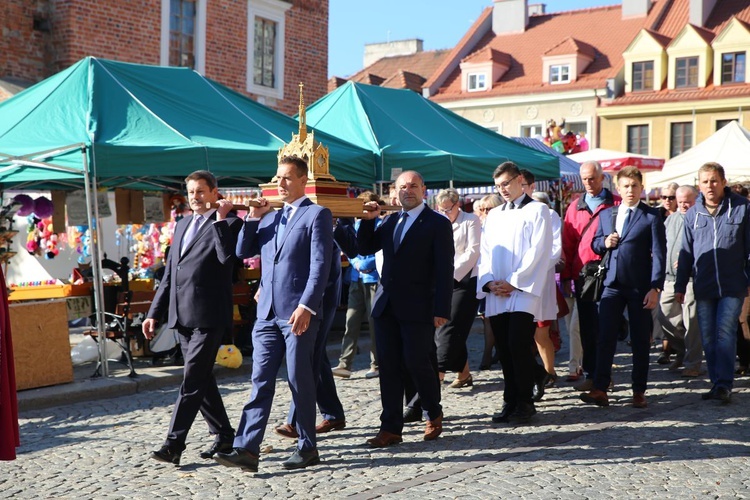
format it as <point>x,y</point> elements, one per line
<point>516,247</point>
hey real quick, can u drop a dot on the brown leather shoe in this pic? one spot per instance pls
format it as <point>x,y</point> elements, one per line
<point>330,425</point>
<point>639,400</point>
<point>287,431</point>
<point>383,439</point>
<point>595,397</point>
<point>433,428</point>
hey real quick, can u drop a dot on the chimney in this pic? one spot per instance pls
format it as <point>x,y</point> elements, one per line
<point>699,11</point>
<point>377,51</point>
<point>537,9</point>
<point>635,8</point>
<point>510,16</point>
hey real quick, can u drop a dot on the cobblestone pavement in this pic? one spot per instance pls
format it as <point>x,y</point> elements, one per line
<point>680,447</point>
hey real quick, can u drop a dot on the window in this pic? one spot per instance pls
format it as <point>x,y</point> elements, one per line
<point>681,138</point>
<point>577,127</point>
<point>733,67</point>
<point>720,124</point>
<point>264,68</point>
<point>266,22</point>
<point>477,81</point>
<point>559,73</point>
<point>182,33</point>
<point>638,139</point>
<point>643,76</point>
<point>531,130</point>
<point>686,74</point>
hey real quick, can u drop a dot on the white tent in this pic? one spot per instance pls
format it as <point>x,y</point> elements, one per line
<point>729,146</point>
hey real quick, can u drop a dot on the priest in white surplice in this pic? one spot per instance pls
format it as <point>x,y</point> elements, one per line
<point>513,276</point>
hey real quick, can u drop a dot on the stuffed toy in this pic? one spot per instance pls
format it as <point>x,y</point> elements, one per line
<point>229,356</point>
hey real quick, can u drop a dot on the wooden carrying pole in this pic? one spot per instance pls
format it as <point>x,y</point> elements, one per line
<point>338,211</point>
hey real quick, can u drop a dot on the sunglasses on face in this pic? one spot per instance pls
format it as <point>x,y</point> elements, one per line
<point>670,198</point>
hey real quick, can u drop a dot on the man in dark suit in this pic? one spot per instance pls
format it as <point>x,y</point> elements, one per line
<point>634,234</point>
<point>295,246</point>
<point>414,298</point>
<point>195,295</point>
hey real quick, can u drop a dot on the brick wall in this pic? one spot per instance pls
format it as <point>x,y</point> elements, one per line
<point>130,30</point>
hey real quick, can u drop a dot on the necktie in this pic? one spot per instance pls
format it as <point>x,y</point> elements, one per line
<point>282,223</point>
<point>192,230</point>
<point>399,231</point>
<point>628,212</point>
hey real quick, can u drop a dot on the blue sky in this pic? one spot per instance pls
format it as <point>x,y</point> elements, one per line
<point>439,23</point>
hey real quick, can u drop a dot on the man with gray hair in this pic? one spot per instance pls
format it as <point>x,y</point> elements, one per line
<point>678,321</point>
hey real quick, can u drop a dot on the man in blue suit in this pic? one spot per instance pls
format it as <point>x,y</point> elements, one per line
<point>634,234</point>
<point>195,295</point>
<point>414,298</point>
<point>295,246</point>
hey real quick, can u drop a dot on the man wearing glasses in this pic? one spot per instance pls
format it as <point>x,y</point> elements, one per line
<point>513,275</point>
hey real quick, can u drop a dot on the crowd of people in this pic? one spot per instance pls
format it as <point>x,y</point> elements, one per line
<point>421,276</point>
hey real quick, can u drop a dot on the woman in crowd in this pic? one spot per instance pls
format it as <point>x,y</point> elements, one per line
<point>9,436</point>
<point>482,207</point>
<point>451,338</point>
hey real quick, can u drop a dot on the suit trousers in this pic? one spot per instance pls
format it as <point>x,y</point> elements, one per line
<point>514,339</point>
<point>273,341</point>
<point>360,307</point>
<point>329,404</point>
<point>199,391</point>
<point>613,304</point>
<point>406,349</point>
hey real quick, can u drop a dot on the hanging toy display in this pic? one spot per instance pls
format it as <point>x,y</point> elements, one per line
<point>41,239</point>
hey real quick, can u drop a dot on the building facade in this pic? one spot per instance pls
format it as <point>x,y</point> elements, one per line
<point>260,48</point>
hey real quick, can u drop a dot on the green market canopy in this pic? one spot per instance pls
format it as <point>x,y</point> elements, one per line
<point>408,132</point>
<point>139,126</point>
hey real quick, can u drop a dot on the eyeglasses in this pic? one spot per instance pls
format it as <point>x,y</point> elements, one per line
<point>446,210</point>
<point>504,185</point>
<point>484,209</point>
<point>670,198</point>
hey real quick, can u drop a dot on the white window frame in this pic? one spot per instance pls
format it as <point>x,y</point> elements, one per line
<point>557,79</point>
<point>480,80</point>
<point>273,10</point>
<point>200,35</point>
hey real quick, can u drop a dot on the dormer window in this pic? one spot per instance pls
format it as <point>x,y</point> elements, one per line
<point>643,76</point>
<point>686,72</point>
<point>477,82</point>
<point>559,73</point>
<point>733,67</point>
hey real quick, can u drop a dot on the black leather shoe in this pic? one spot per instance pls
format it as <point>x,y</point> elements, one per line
<point>167,454</point>
<point>301,459</point>
<point>539,385</point>
<point>709,395</point>
<point>724,395</point>
<point>224,447</point>
<point>504,415</point>
<point>412,415</point>
<point>239,457</point>
<point>524,412</point>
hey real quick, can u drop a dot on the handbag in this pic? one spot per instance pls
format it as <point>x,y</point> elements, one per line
<point>591,278</point>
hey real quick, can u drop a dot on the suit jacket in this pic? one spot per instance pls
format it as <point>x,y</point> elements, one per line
<point>294,270</point>
<point>196,289</point>
<point>417,280</point>
<point>638,260</point>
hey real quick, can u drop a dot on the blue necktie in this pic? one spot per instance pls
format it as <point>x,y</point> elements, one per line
<point>627,220</point>
<point>282,223</point>
<point>399,231</point>
<point>191,232</point>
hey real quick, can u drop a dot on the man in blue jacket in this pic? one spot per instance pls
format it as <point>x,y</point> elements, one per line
<point>715,248</point>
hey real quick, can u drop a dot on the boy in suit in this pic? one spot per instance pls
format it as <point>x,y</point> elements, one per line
<point>635,236</point>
